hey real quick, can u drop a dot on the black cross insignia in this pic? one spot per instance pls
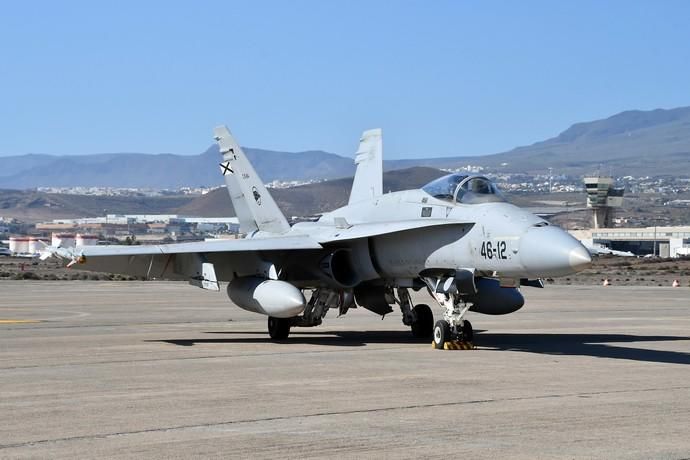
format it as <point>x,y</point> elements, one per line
<point>225,168</point>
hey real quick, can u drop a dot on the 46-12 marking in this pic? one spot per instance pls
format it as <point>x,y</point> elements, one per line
<point>493,250</point>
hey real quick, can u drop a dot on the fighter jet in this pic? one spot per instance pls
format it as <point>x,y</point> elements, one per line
<point>457,238</point>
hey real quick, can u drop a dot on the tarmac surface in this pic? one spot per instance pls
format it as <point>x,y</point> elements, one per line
<point>165,370</point>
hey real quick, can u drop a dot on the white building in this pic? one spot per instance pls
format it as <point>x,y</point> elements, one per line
<point>662,241</point>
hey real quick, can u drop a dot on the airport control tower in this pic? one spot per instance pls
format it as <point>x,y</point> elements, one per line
<point>603,198</point>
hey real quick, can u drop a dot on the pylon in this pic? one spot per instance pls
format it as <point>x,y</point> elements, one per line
<point>606,282</point>
<point>675,283</point>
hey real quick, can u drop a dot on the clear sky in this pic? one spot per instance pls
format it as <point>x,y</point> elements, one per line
<point>440,77</point>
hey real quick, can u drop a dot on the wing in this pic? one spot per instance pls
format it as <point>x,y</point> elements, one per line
<point>202,263</point>
<point>346,232</point>
<point>205,247</point>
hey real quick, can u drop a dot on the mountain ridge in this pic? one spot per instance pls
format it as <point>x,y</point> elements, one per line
<point>633,142</point>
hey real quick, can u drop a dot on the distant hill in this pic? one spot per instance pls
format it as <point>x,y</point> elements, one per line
<point>163,170</point>
<point>297,201</point>
<point>641,143</point>
<point>313,198</point>
<point>34,206</point>
<point>655,142</point>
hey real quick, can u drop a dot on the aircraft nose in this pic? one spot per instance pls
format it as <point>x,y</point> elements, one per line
<point>550,251</point>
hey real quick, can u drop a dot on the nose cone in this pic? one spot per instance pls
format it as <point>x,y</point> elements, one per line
<point>549,251</point>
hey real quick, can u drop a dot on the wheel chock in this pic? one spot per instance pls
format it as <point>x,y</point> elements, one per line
<point>456,345</point>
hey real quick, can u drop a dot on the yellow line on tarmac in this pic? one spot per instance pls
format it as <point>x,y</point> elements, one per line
<point>18,321</point>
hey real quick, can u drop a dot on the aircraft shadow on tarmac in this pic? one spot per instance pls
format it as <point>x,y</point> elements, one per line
<point>595,345</point>
<point>324,337</point>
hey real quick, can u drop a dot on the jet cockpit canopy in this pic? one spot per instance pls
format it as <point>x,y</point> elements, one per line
<point>461,188</point>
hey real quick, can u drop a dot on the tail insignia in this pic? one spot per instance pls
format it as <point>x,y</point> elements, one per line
<point>225,168</point>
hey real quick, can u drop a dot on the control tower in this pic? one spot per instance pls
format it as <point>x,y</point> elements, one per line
<point>603,198</point>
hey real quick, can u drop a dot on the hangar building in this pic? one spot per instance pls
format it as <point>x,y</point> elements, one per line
<point>662,241</point>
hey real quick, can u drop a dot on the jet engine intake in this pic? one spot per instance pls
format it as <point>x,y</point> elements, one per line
<point>275,298</point>
<point>339,267</point>
<point>492,299</point>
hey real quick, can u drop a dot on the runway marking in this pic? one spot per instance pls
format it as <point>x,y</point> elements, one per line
<point>18,321</point>
<point>71,314</point>
<point>333,413</point>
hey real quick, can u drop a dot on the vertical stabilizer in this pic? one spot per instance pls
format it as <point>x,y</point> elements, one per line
<point>254,206</point>
<point>368,181</point>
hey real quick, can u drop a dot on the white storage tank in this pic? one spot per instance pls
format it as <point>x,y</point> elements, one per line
<point>64,240</point>
<point>19,244</point>
<point>86,240</point>
<point>36,244</point>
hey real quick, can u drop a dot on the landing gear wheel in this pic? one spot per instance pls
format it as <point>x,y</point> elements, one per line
<point>424,326</point>
<point>467,333</point>
<point>441,334</point>
<point>278,328</point>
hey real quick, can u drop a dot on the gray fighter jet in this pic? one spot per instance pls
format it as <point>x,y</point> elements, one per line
<point>457,237</point>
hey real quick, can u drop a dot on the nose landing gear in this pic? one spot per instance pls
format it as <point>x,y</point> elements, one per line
<point>445,338</point>
<point>453,332</point>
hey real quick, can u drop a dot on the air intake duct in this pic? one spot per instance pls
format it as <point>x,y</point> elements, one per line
<point>339,267</point>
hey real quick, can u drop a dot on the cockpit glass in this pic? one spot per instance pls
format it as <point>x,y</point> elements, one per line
<point>479,190</point>
<point>444,187</point>
<point>464,189</point>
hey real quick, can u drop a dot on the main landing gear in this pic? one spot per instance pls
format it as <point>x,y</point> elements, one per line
<point>419,318</point>
<point>279,328</point>
<point>320,302</point>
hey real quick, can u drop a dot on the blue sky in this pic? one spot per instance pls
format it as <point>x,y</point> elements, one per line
<point>440,77</point>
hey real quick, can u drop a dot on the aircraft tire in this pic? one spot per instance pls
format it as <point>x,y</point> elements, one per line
<point>423,328</point>
<point>278,328</point>
<point>441,334</point>
<point>467,332</point>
